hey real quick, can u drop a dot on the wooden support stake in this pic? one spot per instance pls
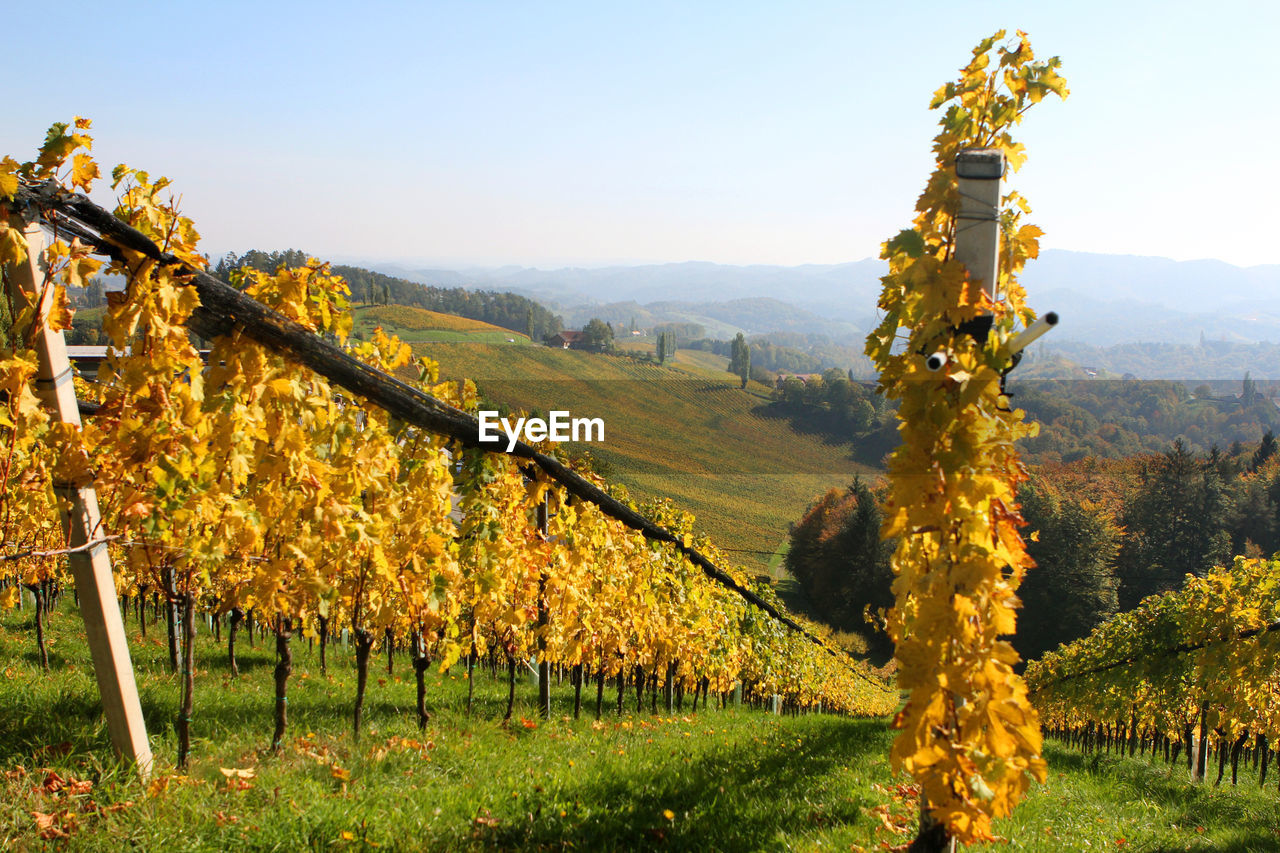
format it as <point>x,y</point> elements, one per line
<point>91,569</point>
<point>544,618</point>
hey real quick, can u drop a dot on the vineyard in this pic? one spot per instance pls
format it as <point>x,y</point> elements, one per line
<point>254,496</point>
<point>461,782</point>
<point>465,782</point>
<point>353,625</point>
<point>671,431</point>
<point>414,325</point>
<point>1189,672</point>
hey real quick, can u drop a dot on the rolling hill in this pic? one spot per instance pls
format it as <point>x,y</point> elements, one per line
<point>420,325</point>
<point>684,431</point>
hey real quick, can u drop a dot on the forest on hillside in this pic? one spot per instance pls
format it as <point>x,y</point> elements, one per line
<point>1104,533</point>
<point>508,310</point>
<point>1109,419</point>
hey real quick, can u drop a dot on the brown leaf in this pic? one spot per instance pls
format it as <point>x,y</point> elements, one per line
<point>53,783</point>
<point>75,788</point>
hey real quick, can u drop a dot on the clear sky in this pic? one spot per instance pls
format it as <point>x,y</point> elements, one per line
<point>590,133</point>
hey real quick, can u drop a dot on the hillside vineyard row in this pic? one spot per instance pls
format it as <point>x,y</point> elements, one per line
<point>1184,669</point>
<point>249,485</point>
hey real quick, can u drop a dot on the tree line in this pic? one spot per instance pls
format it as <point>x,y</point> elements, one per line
<point>1114,418</point>
<point>1104,534</point>
<point>1078,419</point>
<point>508,310</point>
<point>766,357</point>
<point>833,403</point>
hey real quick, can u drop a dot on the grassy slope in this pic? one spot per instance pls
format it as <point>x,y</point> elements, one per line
<point>419,324</point>
<point>731,780</point>
<point>681,431</point>
<point>687,358</point>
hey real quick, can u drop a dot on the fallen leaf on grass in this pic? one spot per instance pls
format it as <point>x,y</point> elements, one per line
<point>52,783</point>
<point>45,823</point>
<point>907,791</point>
<point>237,780</point>
<point>53,826</point>
<point>894,823</point>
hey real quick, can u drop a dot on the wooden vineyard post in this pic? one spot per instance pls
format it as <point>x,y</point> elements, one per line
<point>1202,744</point>
<point>91,568</point>
<point>544,617</point>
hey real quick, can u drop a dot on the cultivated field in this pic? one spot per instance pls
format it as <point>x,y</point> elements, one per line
<point>683,432</point>
<point>418,324</point>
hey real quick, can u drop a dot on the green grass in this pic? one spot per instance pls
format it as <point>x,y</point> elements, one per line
<point>686,432</point>
<point>731,780</point>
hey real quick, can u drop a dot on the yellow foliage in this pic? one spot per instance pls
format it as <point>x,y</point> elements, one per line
<point>968,735</point>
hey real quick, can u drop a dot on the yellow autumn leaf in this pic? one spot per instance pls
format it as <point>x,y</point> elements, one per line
<point>84,171</point>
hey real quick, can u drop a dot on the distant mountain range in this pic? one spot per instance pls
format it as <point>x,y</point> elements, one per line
<point>1102,299</point>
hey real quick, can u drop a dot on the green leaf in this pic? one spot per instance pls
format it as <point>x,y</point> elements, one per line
<point>909,242</point>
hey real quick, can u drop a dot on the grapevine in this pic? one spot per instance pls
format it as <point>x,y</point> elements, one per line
<point>1202,654</point>
<point>242,485</point>
<point>967,733</point>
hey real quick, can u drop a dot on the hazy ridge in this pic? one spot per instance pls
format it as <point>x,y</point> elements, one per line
<point>1107,303</point>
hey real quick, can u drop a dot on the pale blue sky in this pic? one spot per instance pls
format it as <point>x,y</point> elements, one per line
<point>589,133</point>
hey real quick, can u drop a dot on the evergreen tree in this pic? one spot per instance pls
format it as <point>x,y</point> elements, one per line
<point>1249,390</point>
<point>1175,524</point>
<point>838,558</point>
<point>1266,449</point>
<point>740,359</point>
<point>1073,586</point>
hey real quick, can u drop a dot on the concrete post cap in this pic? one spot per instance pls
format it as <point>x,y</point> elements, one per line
<point>980,163</point>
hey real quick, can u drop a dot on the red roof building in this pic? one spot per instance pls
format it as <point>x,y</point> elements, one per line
<point>567,339</point>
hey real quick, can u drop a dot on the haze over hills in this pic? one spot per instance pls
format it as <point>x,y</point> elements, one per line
<point>1103,299</point>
